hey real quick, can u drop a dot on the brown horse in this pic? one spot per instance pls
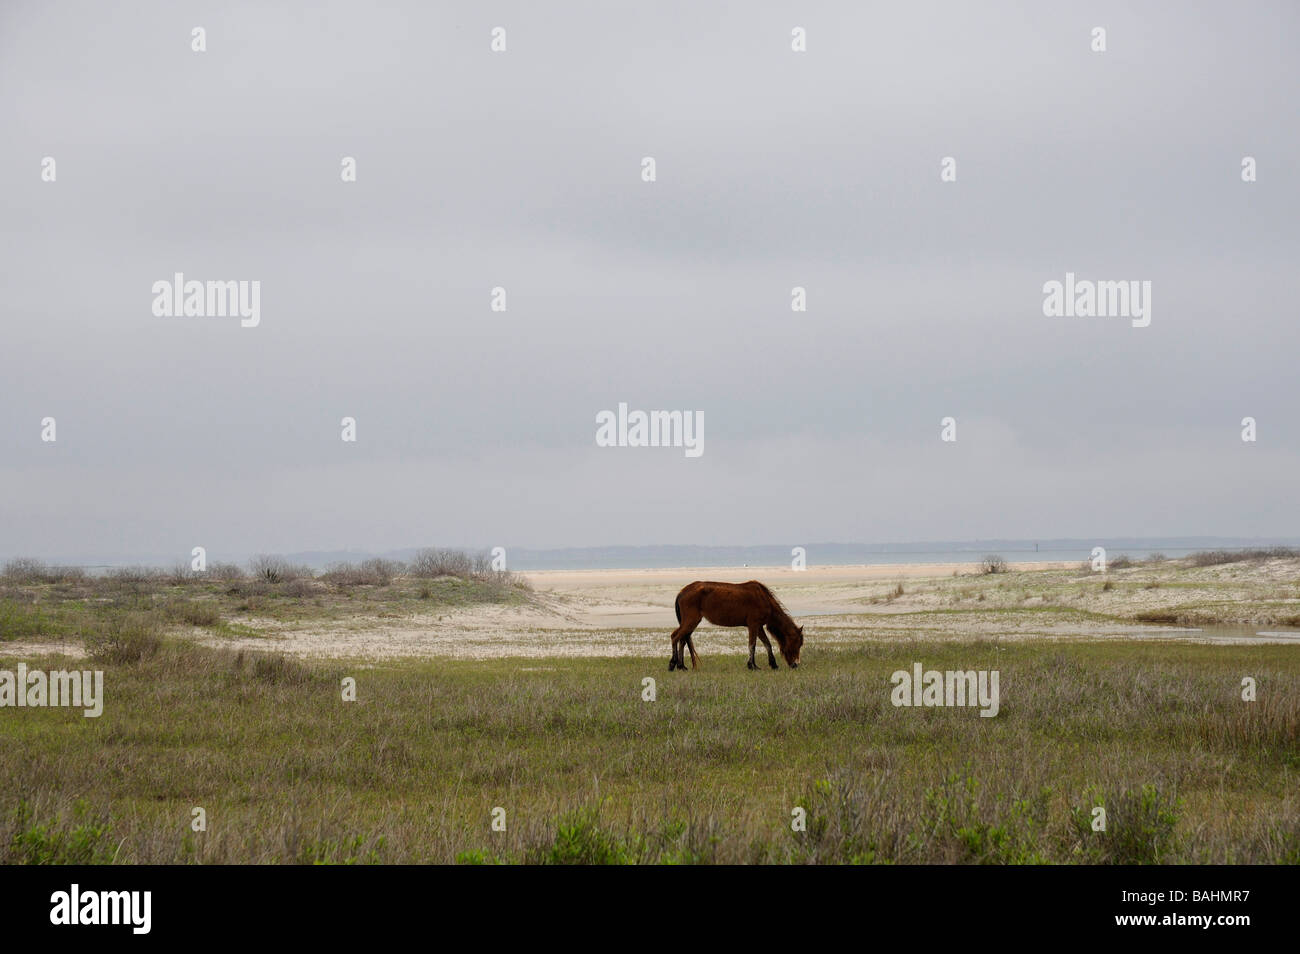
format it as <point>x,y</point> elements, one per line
<point>735,604</point>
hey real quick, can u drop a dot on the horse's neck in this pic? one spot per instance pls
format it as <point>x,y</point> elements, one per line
<point>782,623</point>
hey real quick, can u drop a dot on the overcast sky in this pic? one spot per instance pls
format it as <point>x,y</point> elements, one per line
<point>522,169</point>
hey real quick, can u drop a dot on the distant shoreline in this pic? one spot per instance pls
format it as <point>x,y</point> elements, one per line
<point>613,576</point>
<point>677,556</point>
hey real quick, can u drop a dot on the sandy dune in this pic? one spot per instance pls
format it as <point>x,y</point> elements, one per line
<point>640,597</point>
<point>630,613</point>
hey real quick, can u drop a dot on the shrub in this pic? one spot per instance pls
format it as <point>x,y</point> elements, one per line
<point>1218,557</point>
<point>276,569</point>
<point>181,573</point>
<point>430,563</point>
<point>19,620</point>
<point>1139,826</point>
<point>82,840</point>
<point>195,613</point>
<point>300,588</point>
<point>226,572</point>
<point>272,667</point>
<point>580,840</point>
<point>993,564</point>
<point>135,574</point>
<point>28,570</point>
<point>372,572</point>
<point>129,637</point>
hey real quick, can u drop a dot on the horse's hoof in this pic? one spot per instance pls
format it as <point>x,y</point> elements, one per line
<point>750,665</point>
<point>772,663</point>
<point>672,664</point>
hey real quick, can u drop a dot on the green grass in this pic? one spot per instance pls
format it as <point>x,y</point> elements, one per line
<point>20,620</point>
<point>711,771</point>
<point>40,610</point>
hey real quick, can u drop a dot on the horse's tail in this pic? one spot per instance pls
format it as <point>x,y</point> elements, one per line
<point>690,644</point>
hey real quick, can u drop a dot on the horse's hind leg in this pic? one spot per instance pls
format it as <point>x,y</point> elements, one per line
<point>771,660</point>
<point>682,637</point>
<point>673,660</point>
<point>690,644</point>
<point>754,633</point>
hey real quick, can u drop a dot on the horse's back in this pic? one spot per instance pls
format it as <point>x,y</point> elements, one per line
<point>727,604</point>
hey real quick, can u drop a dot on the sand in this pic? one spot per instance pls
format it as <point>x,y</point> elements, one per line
<point>577,613</point>
<point>630,612</point>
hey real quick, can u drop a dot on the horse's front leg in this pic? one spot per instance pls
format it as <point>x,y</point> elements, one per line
<point>771,660</point>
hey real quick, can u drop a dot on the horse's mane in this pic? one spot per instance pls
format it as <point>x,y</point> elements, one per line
<point>782,614</point>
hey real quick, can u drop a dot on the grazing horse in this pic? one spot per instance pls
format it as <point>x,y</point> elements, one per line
<point>735,604</point>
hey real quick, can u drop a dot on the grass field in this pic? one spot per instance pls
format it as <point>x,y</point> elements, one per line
<point>587,771</point>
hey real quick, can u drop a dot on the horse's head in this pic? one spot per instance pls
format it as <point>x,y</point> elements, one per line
<point>790,646</point>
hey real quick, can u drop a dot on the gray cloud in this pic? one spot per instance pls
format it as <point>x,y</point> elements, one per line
<point>522,170</point>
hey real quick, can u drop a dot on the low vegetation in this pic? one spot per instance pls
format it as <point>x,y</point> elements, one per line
<point>1219,557</point>
<point>42,603</point>
<point>993,564</point>
<point>712,770</point>
<point>586,771</point>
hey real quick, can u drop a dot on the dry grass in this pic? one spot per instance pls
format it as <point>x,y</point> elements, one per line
<point>709,772</point>
<point>1220,557</point>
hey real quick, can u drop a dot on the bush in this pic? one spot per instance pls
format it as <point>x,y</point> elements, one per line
<point>300,588</point>
<point>81,840</point>
<point>431,563</point>
<point>180,574</point>
<point>136,574</point>
<point>1218,557</point>
<point>381,572</point>
<point>19,620</point>
<point>126,638</point>
<point>373,572</point>
<point>28,570</point>
<point>276,569</point>
<point>1139,827</point>
<point>195,613</point>
<point>993,564</point>
<point>580,840</point>
<point>271,667</point>
<point>225,572</point>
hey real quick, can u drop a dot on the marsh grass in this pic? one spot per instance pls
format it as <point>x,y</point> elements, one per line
<point>710,772</point>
